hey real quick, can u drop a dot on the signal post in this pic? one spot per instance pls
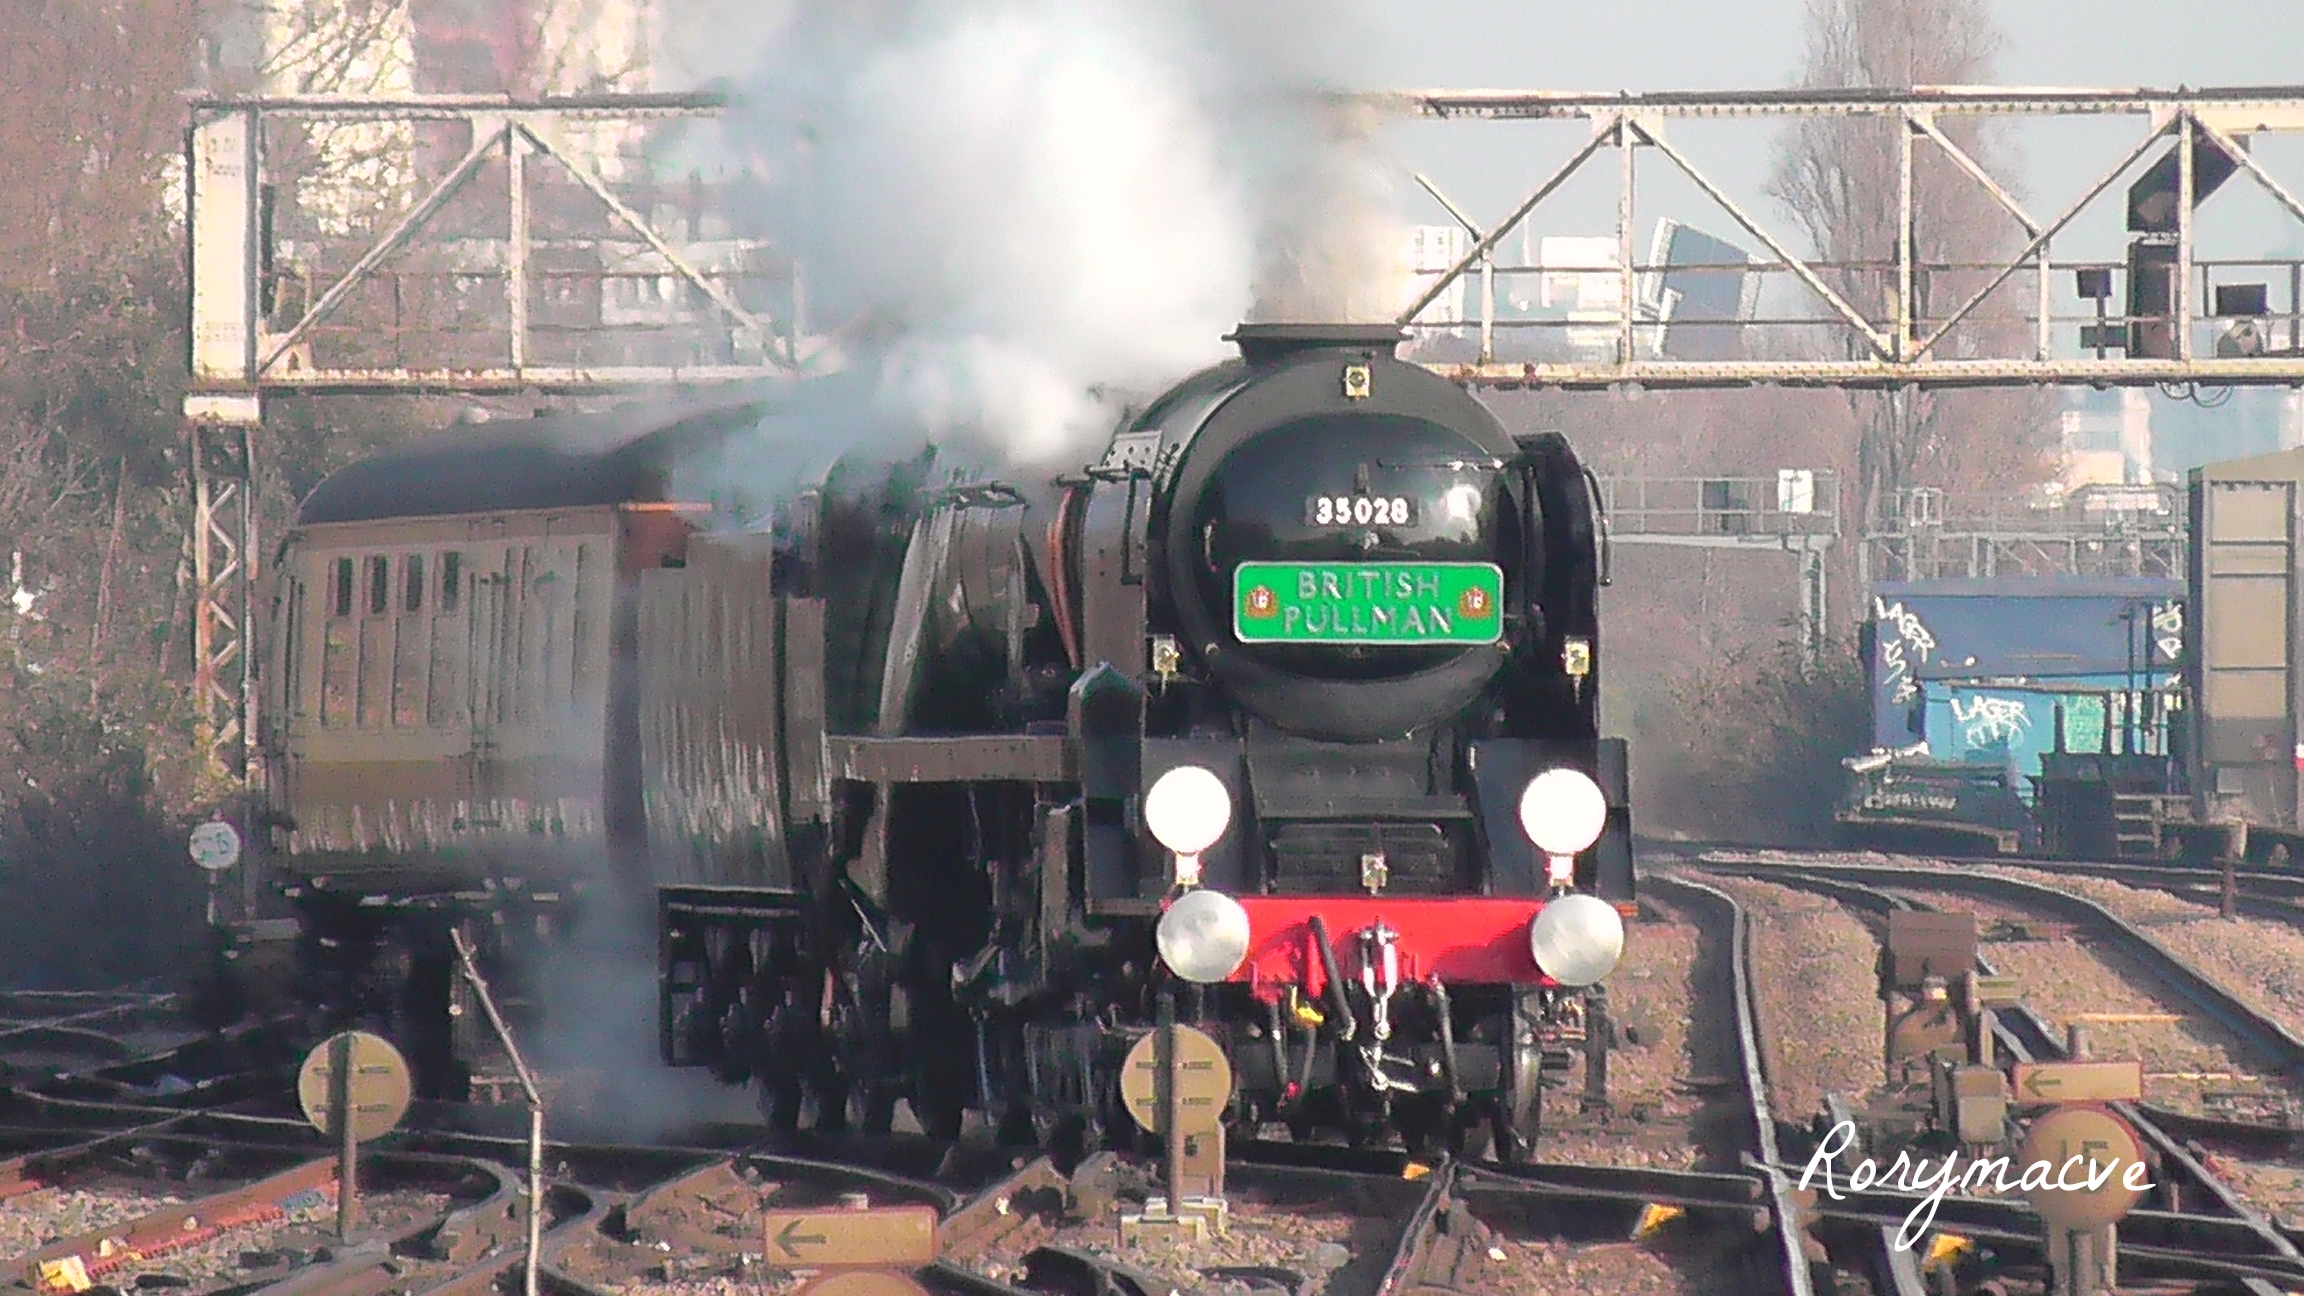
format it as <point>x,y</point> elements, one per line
<point>2082,1224</point>
<point>1940,1019</point>
<point>1177,1084</point>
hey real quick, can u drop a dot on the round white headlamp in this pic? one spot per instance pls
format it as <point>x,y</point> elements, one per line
<point>1563,811</point>
<point>1187,809</point>
<point>1203,936</point>
<point>1577,939</point>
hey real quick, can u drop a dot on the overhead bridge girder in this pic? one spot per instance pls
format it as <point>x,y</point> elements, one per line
<point>2008,317</point>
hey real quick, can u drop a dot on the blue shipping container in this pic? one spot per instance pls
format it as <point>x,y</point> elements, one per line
<point>1977,669</point>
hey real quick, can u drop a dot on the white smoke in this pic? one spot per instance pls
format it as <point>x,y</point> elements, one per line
<point>1032,190</point>
<point>1027,211</point>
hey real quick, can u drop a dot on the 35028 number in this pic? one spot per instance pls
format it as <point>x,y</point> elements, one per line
<point>1358,510</point>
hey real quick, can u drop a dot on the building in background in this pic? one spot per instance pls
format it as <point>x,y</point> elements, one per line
<point>1702,290</point>
<point>1691,300</point>
<point>335,184</point>
<point>1432,251</point>
<point>2106,439</point>
<point>402,47</point>
<point>537,48</point>
<point>2134,436</point>
<point>1578,282</point>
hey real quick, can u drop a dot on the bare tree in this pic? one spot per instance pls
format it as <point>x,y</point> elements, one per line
<point>87,125</point>
<point>1840,178</point>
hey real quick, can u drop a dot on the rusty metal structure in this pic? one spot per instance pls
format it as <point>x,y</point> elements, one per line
<point>2095,531</point>
<point>519,266</point>
<point>224,550</point>
<point>730,310</point>
<point>547,328</point>
<point>2191,143</point>
<point>1797,511</point>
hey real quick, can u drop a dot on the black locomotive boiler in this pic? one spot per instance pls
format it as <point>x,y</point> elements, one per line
<point>1289,701</point>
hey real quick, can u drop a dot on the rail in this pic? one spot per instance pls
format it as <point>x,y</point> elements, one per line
<point>1784,1208</point>
<point>2261,1256</point>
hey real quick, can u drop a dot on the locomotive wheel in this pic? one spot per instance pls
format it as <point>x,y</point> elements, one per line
<point>831,1093</point>
<point>1427,1129</point>
<point>941,1112</point>
<point>1017,1128</point>
<point>1520,1099</point>
<point>783,1088</point>
<point>1471,1134</point>
<point>836,1106</point>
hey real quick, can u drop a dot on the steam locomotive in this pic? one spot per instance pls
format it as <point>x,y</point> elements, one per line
<point>1286,708</point>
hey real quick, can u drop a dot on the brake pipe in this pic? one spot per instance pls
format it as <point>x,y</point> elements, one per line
<point>1447,1041</point>
<point>1348,1026</point>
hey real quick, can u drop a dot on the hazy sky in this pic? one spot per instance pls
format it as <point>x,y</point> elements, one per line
<point>1665,44</point>
<point>1697,44</point>
<point>1700,44</point>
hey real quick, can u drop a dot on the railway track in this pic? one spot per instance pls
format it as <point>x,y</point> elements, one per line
<point>1307,1219</point>
<point>2259,891</point>
<point>2204,1227</point>
<point>1802,1261</point>
<point>46,1033</point>
<point>630,1219</point>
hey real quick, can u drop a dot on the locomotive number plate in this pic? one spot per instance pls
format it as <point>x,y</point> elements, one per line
<point>1368,603</point>
<point>1359,510</point>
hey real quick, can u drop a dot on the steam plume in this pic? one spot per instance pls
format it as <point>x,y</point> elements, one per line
<point>1040,207</point>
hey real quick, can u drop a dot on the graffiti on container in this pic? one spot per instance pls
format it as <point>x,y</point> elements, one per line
<point>1991,720</point>
<point>2168,630</point>
<point>1905,646</point>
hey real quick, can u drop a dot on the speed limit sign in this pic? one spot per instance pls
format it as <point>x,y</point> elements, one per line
<point>215,846</point>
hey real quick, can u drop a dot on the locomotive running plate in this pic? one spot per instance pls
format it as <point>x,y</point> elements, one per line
<point>1368,603</point>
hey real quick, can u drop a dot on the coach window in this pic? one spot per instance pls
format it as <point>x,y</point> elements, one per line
<point>339,655</point>
<point>413,579</point>
<point>379,585</point>
<point>451,574</point>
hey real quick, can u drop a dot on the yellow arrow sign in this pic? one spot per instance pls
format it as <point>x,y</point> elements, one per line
<point>816,1239</point>
<point>2063,1082</point>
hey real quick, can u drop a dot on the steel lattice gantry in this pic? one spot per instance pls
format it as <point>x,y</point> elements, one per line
<point>1797,512</point>
<point>2098,531</point>
<point>350,246</point>
<point>223,574</point>
<point>2189,143</point>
